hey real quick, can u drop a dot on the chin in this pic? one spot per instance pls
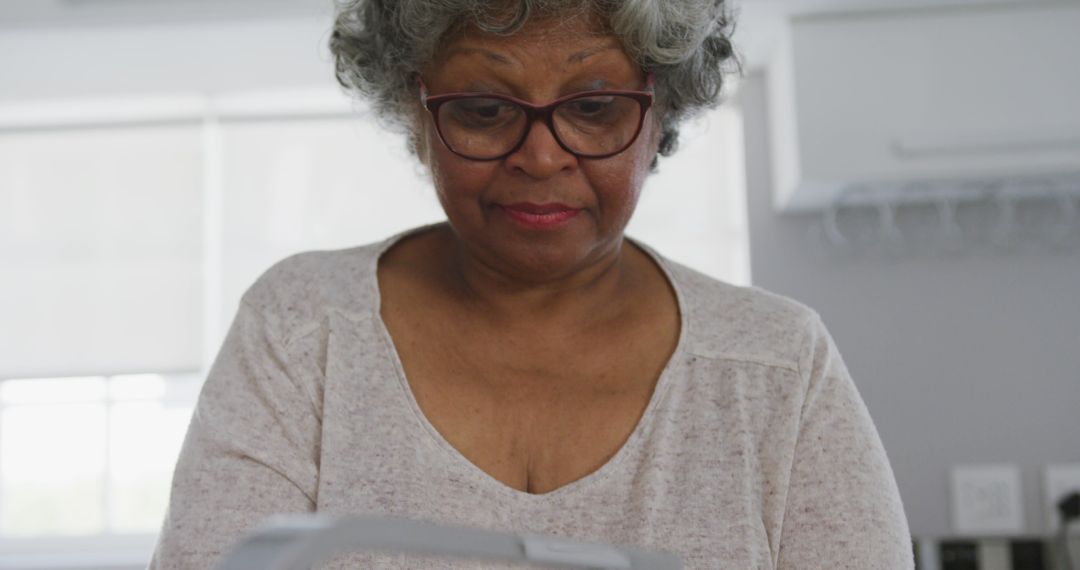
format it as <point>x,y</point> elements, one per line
<point>539,259</point>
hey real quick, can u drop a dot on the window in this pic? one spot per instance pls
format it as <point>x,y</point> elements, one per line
<point>694,209</point>
<point>101,240</point>
<point>90,455</point>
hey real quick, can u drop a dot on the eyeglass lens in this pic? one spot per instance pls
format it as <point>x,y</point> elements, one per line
<point>483,127</point>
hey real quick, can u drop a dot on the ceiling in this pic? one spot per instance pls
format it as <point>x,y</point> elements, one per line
<point>46,13</point>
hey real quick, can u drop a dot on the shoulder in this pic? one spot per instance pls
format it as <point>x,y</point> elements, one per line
<point>726,321</point>
<point>298,292</point>
<point>303,288</point>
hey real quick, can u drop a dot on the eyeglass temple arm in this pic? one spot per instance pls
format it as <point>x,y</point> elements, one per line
<point>295,542</point>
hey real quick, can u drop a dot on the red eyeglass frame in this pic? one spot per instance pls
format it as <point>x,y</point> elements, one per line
<point>644,98</point>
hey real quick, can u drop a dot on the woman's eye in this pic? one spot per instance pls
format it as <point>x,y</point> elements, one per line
<point>593,106</point>
<point>487,111</point>
<point>484,110</point>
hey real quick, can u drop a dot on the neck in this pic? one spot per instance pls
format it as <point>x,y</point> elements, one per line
<point>580,297</point>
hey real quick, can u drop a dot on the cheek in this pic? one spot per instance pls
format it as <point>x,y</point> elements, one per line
<point>459,183</point>
<point>617,186</point>
<point>650,147</point>
<point>619,182</point>
<point>638,162</point>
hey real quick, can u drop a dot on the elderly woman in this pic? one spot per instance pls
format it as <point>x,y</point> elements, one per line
<point>523,366</point>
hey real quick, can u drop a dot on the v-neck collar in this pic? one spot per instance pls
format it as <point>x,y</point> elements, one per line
<point>483,478</point>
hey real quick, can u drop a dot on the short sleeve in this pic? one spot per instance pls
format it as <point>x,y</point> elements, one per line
<point>843,507</point>
<point>251,450</point>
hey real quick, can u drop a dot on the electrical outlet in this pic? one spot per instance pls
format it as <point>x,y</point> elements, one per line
<point>986,500</point>
<point>1059,481</point>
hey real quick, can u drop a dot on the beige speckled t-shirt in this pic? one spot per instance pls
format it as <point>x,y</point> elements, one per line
<point>755,451</point>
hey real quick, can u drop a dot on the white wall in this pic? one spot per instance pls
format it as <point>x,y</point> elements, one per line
<point>973,358</point>
<point>164,58</point>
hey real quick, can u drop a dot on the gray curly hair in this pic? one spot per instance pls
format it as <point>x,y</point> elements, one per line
<point>378,46</point>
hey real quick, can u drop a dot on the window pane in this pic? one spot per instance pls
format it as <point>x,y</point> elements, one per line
<point>52,469</point>
<point>143,446</point>
<point>694,209</point>
<point>294,185</point>
<point>101,239</point>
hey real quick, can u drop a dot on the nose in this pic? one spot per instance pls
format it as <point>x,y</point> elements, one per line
<point>541,155</point>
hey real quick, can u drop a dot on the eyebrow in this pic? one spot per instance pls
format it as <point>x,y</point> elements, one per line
<point>497,58</point>
<point>585,54</point>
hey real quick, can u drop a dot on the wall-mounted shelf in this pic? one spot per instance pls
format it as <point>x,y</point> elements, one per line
<point>924,100</point>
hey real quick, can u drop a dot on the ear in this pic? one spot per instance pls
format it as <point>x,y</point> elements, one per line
<point>656,136</point>
<point>418,145</point>
<point>419,136</point>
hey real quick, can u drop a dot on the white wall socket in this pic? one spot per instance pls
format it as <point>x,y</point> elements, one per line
<point>1059,480</point>
<point>987,500</point>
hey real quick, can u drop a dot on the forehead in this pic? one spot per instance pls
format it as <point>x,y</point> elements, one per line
<point>559,42</point>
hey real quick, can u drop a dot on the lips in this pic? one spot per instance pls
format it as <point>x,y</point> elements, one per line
<point>531,208</point>
<point>540,216</point>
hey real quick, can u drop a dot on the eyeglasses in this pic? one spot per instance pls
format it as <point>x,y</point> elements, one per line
<point>489,126</point>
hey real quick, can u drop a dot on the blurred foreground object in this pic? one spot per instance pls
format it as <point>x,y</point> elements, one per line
<point>296,542</point>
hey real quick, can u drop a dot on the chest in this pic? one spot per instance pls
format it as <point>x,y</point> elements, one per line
<point>687,487</point>
<point>534,414</point>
